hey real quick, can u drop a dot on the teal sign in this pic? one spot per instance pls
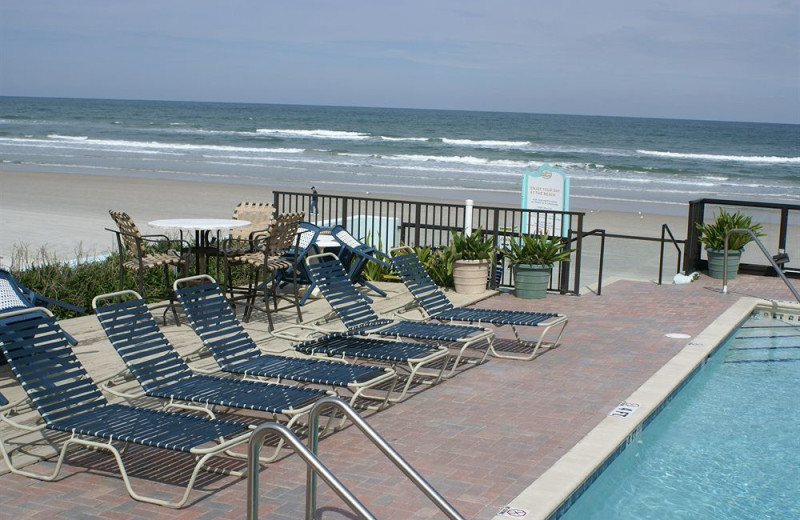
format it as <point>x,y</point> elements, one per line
<point>545,190</point>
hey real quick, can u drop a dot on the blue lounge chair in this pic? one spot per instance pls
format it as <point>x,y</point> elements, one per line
<point>213,320</point>
<point>153,361</point>
<point>15,296</point>
<point>68,400</point>
<point>355,255</point>
<point>436,305</point>
<point>359,318</point>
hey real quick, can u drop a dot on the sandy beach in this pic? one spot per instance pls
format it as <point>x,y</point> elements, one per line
<point>67,215</point>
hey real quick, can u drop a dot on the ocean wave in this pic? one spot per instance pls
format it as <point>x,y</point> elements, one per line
<point>83,142</point>
<point>714,157</point>
<point>486,143</point>
<point>313,134</point>
<point>69,137</point>
<point>404,139</point>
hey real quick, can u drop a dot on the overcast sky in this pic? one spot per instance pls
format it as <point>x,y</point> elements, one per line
<point>733,60</point>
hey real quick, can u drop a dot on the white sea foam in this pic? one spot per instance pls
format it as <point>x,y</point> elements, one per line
<point>69,137</point>
<point>313,134</point>
<point>404,139</point>
<point>713,157</point>
<point>486,143</point>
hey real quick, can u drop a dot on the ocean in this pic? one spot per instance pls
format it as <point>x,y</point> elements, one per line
<point>612,162</point>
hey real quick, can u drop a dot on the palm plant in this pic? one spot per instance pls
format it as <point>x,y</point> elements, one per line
<point>537,250</point>
<point>713,234</point>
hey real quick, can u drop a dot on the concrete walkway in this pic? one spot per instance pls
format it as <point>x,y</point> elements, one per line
<point>480,438</point>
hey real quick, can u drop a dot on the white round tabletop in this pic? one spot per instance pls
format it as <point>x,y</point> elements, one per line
<point>199,223</point>
<point>326,242</point>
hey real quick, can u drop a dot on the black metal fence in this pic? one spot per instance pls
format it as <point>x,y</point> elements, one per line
<point>783,238</point>
<point>389,223</point>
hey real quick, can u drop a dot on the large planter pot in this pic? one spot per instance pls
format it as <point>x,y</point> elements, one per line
<point>470,276</point>
<point>716,259</point>
<point>531,281</point>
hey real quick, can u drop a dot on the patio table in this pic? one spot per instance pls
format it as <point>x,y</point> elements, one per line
<point>202,227</point>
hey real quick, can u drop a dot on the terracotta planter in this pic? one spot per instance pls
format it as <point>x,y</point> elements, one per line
<point>470,276</point>
<point>531,281</point>
<point>716,260</point>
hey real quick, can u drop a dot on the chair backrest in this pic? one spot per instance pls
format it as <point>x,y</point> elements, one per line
<point>346,238</point>
<point>11,294</point>
<point>333,282</point>
<point>129,233</point>
<point>407,265</point>
<point>283,233</point>
<point>259,214</point>
<point>212,318</point>
<point>135,335</point>
<point>45,365</point>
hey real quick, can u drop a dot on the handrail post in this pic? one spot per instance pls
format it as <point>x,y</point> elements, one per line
<point>381,444</point>
<point>313,463</point>
<point>766,254</point>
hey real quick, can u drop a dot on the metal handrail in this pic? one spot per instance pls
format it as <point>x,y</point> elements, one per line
<point>665,229</point>
<point>763,250</point>
<point>380,443</point>
<point>312,462</point>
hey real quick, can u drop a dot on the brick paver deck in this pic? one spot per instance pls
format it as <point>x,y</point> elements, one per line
<point>479,438</point>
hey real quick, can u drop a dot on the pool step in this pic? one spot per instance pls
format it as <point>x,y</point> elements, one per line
<point>765,344</point>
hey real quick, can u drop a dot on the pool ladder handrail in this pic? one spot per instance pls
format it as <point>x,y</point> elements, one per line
<point>315,467</point>
<point>766,254</point>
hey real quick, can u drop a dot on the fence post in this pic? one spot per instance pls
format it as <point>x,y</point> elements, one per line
<point>692,251</point>
<point>468,217</point>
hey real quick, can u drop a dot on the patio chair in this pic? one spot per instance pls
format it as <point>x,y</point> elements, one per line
<point>15,296</point>
<point>134,256</point>
<point>267,259</point>
<point>161,373</point>
<point>435,304</point>
<point>355,255</point>
<point>68,401</point>
<point>242,240</point>
<point>233,349</point>
<point>213,320</point>
<point>359,317</point>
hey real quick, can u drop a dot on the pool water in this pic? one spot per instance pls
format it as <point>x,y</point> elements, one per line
<point>727,446</point>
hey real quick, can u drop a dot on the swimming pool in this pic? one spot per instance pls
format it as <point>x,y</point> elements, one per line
<point>726,446</point>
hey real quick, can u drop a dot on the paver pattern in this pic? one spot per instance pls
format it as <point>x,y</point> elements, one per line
<point>479,438</point>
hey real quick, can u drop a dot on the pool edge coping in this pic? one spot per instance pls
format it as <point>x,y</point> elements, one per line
<point>558,484</point>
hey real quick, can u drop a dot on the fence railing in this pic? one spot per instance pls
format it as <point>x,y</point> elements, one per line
<point>389,223</point>
<point>780,238</point>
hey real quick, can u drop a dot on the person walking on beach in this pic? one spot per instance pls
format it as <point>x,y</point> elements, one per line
<point>314,197</point>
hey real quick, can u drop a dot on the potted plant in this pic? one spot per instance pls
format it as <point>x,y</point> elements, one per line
<point>532,258</point>
<point>471,256</point>
<point>713,237</point>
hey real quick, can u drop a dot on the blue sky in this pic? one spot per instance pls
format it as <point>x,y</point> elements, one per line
<point>733,60</point>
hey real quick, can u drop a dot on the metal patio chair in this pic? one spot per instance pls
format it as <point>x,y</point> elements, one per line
<point>136,254</point>
<point>435,304</point>
<point>68,401</point>
<point>359,317</point>
<point>213,320</point>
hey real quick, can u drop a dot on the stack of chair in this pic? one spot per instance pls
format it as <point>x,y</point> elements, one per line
<point>267,259</point>
<point>243,240</point>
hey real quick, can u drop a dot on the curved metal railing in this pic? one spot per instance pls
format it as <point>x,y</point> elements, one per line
<point>380,443</point>
<point>312,462</point>
<point>763,250</point>
<point>314,465</point>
